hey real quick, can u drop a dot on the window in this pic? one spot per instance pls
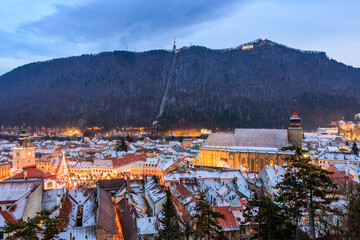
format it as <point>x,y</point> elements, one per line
<point>1,235</point>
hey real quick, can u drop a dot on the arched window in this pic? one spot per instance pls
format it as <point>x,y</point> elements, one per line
<point>271,163</point>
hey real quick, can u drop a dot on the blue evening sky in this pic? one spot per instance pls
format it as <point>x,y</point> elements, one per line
<point>38,30</point>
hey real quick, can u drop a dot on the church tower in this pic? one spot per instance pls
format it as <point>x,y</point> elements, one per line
<point>24,152</point>
<point>295,130</point>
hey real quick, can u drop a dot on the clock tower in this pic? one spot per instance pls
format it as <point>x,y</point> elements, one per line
<point>24,152</point>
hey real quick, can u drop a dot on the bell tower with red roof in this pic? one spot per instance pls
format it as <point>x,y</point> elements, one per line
<point>295,130</point>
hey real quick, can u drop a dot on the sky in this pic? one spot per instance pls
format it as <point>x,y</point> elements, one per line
<point>40,30</point>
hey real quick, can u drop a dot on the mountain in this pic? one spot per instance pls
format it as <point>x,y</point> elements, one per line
<point>253,85</point>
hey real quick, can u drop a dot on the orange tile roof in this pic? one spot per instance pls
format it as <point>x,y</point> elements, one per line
<point>229,223</point>
<point>8,216</point>
<point>32,172</point>
<point>127,159</point>
<point>106,211</point>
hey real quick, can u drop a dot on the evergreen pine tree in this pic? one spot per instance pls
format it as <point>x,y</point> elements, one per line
<point>122,145</point>
<point>354,148</point>
<point>170,224</point>
<point>268,219</point>
<point>42,225</point>
<point>352,216</point>
<point>304,188</point>
<point>207,225</point>
<point>188,226</point>
<point>129,139</point>
<point>52,226</point>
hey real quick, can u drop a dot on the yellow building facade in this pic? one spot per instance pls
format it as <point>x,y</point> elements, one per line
<point>247,161</point>
<point>5,171</point>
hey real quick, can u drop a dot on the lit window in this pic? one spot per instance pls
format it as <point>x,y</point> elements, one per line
<point>29,153</point>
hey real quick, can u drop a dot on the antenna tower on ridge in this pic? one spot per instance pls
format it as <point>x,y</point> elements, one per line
<point>174,46</point>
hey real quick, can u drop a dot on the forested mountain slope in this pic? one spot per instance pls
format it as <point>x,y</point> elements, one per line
<point>196,86</point>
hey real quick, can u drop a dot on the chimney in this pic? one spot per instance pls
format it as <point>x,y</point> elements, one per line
<point>25,174</point>
<point>229,209</point>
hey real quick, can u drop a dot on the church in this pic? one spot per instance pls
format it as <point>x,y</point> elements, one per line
<point>251,149</point>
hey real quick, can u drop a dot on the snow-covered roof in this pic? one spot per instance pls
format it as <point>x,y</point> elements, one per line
<point>12,191</point>
<point>44,151</point>
<point>274,138</point>
<point>220,139</point>
<point>152,161</point>
<point>154,190</point>
<point>88,233</point>
<point>50,198</point>
<point>138,200</point>
<point>102,163</point>
<point>275,174</point>
<point>339,156</point>
<point>147,225</point>
<point>249,137</point>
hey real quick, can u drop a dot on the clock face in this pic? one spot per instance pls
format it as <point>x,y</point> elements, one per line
<point>18,153</point>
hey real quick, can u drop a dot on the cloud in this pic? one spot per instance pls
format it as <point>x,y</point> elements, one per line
<point>120,20</point>
<point>39,30</point>
<point>54,28</point>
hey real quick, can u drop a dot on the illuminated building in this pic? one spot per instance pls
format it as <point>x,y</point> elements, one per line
<point>43,164</point>
<point>251,149</point>
<point>205,131</point>
<point>24,152</point>
<point>4,170</point>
